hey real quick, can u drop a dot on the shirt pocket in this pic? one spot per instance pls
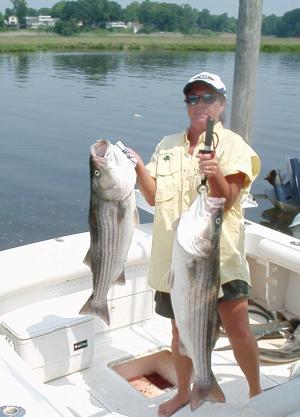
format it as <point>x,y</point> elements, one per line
<point>166,199</point>
<point>167,163</point>
<point>167,181</point>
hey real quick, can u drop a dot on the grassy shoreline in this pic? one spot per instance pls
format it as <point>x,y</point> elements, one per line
<point>22,41</point>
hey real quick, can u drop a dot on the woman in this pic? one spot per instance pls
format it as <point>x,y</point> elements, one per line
<point>169,182</point>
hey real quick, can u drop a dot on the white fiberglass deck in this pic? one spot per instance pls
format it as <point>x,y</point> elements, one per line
<point>38,275</point>
<point>99,391</point>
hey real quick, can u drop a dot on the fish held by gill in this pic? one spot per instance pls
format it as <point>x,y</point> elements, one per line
<point>112,216</point>
<point>194,288</point>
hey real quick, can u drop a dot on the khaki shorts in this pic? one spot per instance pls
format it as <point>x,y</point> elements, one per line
<point>232,290</point>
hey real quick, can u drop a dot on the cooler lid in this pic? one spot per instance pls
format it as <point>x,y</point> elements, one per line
<point>44,317</point>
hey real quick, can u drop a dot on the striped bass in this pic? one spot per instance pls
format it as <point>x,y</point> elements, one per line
<point>111,221</point>
<point>194,288</point>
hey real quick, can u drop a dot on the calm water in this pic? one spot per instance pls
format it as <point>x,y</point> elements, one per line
<point>54,106</point>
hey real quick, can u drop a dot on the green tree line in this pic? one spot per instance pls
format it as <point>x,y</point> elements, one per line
<point>151,15</point>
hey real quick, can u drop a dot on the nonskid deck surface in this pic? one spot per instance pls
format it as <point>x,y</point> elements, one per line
<point>100,392</point>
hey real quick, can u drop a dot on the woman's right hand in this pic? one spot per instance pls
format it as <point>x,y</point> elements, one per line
<point>136,157</point>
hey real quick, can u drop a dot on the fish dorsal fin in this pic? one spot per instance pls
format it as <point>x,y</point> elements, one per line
<point>121,279</point>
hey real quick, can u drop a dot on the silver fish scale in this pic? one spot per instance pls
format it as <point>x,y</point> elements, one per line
<point>111,222</point>
<point>194,292</point>
<point>111,231</point>
<point>114,230</point>
<point>202,306</point>
<point>107,247</point>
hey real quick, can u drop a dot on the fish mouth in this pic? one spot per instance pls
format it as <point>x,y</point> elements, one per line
<point>99,153</point>
<point>100,148</point>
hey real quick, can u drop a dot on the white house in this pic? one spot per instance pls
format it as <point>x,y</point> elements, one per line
<point>12,21</point>
<point>134,26</point>
<point>116,25</point>
<point>35,22</point>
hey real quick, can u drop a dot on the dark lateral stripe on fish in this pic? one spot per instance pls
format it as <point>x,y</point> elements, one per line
<point>206,311</point>
<point>100,257</point>
<point>110,242</point>
<point>111,222</point>
<point>209,322</point>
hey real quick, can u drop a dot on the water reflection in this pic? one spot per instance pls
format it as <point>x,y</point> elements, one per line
<point>22,67</point>
<point>94,67</point>
<point>159,62</point>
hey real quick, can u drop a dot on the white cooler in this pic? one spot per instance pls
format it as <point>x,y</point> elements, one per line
<point>49,339</point>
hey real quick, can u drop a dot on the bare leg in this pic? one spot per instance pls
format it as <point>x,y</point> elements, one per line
<point>235,319</point>
<point>183,367</point>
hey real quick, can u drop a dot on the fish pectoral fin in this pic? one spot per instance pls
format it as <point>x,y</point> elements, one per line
<point>191,267</point>
<point>88,258</point>
<point>211,393</point>
<point>121,280</point>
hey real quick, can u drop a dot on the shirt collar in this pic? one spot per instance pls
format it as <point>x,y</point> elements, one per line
<point>217,127</point>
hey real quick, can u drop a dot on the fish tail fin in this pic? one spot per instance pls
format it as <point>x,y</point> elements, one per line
<point>211,393</point>
<point>96,310</point>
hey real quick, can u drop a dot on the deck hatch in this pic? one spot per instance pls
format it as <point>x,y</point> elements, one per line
<point>151,374</point>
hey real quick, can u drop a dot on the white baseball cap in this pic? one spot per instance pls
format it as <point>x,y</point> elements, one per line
<point>208,78</point>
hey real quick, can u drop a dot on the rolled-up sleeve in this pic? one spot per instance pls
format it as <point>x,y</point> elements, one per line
<point>240,158</point>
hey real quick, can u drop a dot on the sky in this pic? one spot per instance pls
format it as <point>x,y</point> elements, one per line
<point>277,7</point>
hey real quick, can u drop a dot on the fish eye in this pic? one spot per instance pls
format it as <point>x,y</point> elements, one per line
<point>97,173</point>
<point>218,220</point>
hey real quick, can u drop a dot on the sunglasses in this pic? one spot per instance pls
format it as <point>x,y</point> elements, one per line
<point>205,98</point>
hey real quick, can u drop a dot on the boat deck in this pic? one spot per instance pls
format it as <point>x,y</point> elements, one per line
<point>30,295</point>
<point>99,391</point>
